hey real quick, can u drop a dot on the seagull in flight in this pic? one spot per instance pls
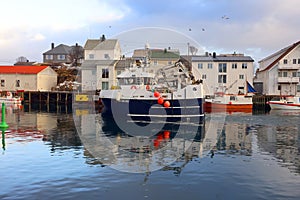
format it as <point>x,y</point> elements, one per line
<point>225,17</point>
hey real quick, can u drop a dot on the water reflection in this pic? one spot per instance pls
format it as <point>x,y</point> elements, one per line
<point>282,138</point>
<point>115,147</point>
<point>277,134</point>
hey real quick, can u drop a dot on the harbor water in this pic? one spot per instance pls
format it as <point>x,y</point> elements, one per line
<point>255,156</point>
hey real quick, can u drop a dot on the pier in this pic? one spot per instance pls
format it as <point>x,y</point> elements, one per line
<point>260,102</point>
<point>65,98</point>
<point>49,97</point>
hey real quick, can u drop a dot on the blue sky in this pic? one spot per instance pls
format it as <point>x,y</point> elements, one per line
<point>253,27</point>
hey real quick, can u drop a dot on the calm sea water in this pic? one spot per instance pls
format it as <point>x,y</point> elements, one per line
<point>255,156</point>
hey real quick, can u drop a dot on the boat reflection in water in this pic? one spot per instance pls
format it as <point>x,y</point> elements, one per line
<point>136,152</point>
<point>142,147</point>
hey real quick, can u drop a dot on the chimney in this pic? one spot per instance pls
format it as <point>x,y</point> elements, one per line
<point>214,54</point>
<point>52,45</point>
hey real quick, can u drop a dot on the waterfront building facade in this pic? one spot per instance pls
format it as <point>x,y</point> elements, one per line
<point>98,68</point>
<point>226,73</point>
<point>279,73</point>
<point>27,78</point>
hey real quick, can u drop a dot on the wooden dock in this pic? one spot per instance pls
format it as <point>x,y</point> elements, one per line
<point>52,97</point>
<point>260,102</point>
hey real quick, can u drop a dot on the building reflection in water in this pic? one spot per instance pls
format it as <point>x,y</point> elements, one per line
<point>282,142</point>
<point>169,148</point>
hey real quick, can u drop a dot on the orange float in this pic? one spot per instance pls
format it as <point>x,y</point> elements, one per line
<point>160,100</point>
<point>156,94</point>
<point>167,104</point>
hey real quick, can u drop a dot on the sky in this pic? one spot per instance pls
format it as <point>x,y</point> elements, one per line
<point>253,27</point>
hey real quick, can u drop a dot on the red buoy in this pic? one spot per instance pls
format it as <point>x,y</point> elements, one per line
<point>156,94</point>
<point>167,134</point>
<point>167,104</point>
<point>160,100</point>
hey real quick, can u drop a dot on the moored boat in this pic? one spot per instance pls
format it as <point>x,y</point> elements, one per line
<point>170,94</point>
<point>285,103</point>
<point>10,99</point>
<point>222,102</point>
<point>229,103</point>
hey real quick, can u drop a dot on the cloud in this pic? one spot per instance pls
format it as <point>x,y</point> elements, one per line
<point>57,14</point>
<point>38,37</point>
<point>24,23</point>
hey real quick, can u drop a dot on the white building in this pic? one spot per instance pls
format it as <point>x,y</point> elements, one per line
<point>279,73</point>
<point>98,68</point>
<point>227,73</point>
<point>27,78</point>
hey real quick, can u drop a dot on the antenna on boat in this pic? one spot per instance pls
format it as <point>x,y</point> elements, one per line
<point>147,54</point>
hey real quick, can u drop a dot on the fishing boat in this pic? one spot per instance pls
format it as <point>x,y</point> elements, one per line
<point>169,93</point>
<point>10,99</point>
<point>230,102</point>
<point>285,103</point>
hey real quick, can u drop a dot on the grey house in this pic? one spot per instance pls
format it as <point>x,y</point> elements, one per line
<point>57,55</point>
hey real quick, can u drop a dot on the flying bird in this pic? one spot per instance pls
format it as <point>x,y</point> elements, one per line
<point>225,17</point>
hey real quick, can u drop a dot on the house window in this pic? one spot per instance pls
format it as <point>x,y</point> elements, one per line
<point>244,66</point>
<point>209,66</point>
<point>298,74</point>
<point>61,57</point>
<point>203,76</point>
<point>234,66</point>
<point>241,76</point>
<point>298,88</point>
<point>17,83</point>
<point>91,56</point>
<point>222,79</point>
<point>298,60</point>
<point>294,61</point>
<point>200,66</point>
<point>104,85</point>
<point>285,61</point>
<point>279,74</point>
<point>105,73</point>
<point>284,74</point>
<point>49,57</point>
<point>106,56</point>
<point>294,74</point>
<point>222,67</point>
<point>2,83</point>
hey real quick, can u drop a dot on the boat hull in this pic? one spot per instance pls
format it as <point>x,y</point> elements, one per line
<point>219,107</point>
<point>10,100</point>
<point>283,106</point>
<point>148,109</point>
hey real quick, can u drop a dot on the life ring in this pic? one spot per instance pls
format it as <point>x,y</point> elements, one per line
<point>133,87</point>
<point>147,87</point>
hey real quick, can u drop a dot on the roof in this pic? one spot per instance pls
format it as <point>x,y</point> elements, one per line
<point>122,64</point>
<point>91,44</point>
<point>155,54</point>
<point>21,69</point>
<point>90,64</point>
<point>283,52</point>
<point>60,49</point>
<point>223,58</point>
<point>106,45</point>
